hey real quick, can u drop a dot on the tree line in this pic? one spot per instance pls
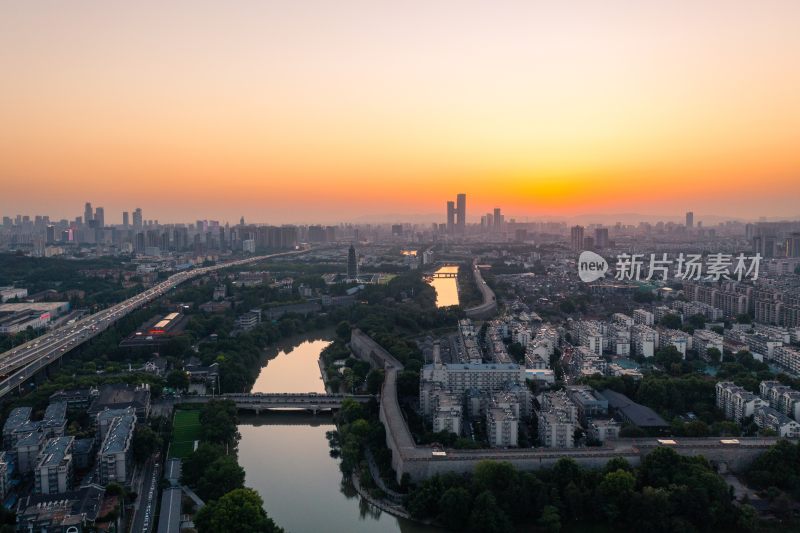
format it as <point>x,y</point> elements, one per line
<point>213,471</point>
<point>668,492</point>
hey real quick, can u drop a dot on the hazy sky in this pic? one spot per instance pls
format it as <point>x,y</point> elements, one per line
<point>322,111</point>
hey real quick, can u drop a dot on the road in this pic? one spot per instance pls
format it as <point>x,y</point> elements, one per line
<point>21,362</point>
<point>147,489</point>
<point>489,304</point>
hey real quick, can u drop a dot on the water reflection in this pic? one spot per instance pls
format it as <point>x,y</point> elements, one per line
<point>294,366</point>
<point>446,288</point>
<point>287,459</point>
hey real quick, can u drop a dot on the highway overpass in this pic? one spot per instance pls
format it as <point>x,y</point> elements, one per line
<point>24,361</point>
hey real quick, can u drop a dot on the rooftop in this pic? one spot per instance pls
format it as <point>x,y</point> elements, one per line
<point>118,436</point>
<point>16,418</point>
<point>638,414</point>
<point>55,413</point>
<point>65,509</point>
<point>55,451</point>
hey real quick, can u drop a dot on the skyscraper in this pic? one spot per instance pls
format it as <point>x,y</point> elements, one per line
<point>461,213</point>
<point>137,218</point>
<point>125,219</point>
<point>689,219</point>
<point>352,263</point>
<point>451,217</point>
<point>499,220</point>
<point>576,237</point>
<point>87,213</point>
<point>100,217</point>
<point>457,215</point>
<point>601,237</point>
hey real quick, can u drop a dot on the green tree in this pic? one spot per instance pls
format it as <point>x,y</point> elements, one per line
<point>374,381</point>
<point>487,516</point>
<point>671,320</point>
<point>516,351</point>
<point>618,463</point>
<point>454,508</point>
<point>748,518</point>
<point>241,510</point>
<point>195,464</point>
<point>713,355</point>
<point>145,442</point>
<point>550,520</point>
<point>614,493</point>
<point>178,380</point>
<point>220,477</point>
<point>668,356</point>
<point>343,331</point>
<point>219,421</point>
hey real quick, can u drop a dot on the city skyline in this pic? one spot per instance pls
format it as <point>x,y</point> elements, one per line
<point>137,218</point>
<point>544,110</point>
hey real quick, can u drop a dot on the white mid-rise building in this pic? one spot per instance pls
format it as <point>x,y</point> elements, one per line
<point>782,425</point>
<point>788,358</point>
<point>603,429</point>
<point>502,427</point>
<point>590,335</point>
<point>703,340</point>
<point>736,402</point>
<point>673,337</point>
<point>644,340</point>
<point>642,316</point>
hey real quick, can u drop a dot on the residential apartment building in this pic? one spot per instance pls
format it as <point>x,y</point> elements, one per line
<point>590,335</point>
<point>54,469</point>
<point>736,402</point>
<point>644,340</point>
<point>782,425</point>
<point>782,398</point>
<point>703,340</point>
<point>603,429</point>
<point>588,402</point>
<point>788,358</point>
<point>674,337</point>
<point>447,413</point>
<point>502,427</point>
<point>115,460</point>
<point>557,420</point>
<point>642,316</point>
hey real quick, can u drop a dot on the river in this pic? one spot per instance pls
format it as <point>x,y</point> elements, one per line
<point>446,288</point>
<point>286,456</point>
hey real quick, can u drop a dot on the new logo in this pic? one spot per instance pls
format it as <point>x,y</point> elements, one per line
<point>591,266</point>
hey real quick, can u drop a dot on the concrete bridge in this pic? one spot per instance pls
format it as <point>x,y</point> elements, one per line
<point>445,274</point>
<point>259,401</point>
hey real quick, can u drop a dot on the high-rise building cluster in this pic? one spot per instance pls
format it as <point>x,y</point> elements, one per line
<point>457,215</point>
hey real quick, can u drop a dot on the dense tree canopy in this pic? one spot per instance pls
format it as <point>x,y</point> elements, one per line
<point>241,510</point>
<point>667,493</point>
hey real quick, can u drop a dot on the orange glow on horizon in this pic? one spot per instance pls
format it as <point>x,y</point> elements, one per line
<point>326,113</point>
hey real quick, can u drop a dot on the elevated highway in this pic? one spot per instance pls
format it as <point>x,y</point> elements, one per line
<point>22,362</point>
<point>489,304</point>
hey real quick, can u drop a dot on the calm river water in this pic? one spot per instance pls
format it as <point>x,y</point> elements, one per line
<point>286,456</point>
<point>446,288</point>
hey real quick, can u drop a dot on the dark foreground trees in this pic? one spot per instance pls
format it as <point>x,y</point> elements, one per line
<point>668,492</point>
<point>241,510</point>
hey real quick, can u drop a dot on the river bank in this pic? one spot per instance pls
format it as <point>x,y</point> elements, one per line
<point>287,459</point>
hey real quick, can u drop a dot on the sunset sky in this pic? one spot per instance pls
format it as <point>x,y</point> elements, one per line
<point>300,111</point>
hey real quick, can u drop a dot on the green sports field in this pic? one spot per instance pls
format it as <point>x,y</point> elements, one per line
<point>185,430</point>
